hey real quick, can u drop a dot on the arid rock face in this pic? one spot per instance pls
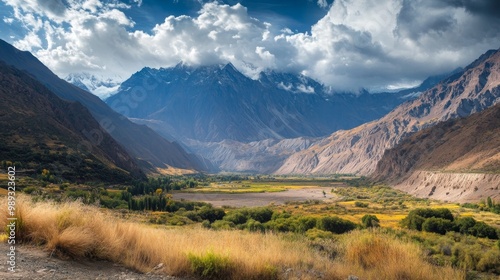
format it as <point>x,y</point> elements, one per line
<point>456,187</point>
<point>358,150</point>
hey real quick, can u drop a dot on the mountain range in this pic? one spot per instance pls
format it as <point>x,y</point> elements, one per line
<point>151,151</point>
<point>41,131</point>
<point>242,124</point>
<point>217,102</point>
<point>215,118</point>
<point>98,85</point>
<point>358,150</point>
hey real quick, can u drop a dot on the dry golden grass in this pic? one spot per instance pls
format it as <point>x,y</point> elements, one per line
<point>78,231</point>
<point>380,257</point>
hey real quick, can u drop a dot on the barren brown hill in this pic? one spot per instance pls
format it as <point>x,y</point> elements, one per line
<point>358,150</point>
<point>439,160</point>
<point>40,131</point>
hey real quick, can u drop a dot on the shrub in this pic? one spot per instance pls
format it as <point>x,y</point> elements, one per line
<point>315,233</point>
<point>370,221</point>
<point>210,265</point>
<point>306,223</point>
<point>236,217</point>
<point>463,225</point>
<point>262,215</point>
<point>253,225</point>
<point>437,225</point>
<point>443,213</point>
<point>206,224</point>
<point>193,216</point>
<point>417,217</point>
<point>490,262</point>
<point>335,225</point>
<point>361,204</point>
<point>413,221</point>
<point>221,224</point>
<point>211,214</point>
<point>481,229</point>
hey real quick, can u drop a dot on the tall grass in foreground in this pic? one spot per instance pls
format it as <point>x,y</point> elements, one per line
<point>79,231</point>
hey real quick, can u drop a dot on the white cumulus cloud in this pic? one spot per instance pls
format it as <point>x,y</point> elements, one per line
<point>358,43</point>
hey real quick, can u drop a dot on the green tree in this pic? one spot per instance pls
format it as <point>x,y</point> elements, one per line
<point>490,202</point>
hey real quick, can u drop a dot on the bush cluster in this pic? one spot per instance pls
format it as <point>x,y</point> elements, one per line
<point>263,218</point>
<point>441,221</point>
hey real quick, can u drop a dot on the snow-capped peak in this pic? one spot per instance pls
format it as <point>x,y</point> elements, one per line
<point>101,86</point>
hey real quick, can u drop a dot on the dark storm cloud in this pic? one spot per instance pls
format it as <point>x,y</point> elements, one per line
<point>489,8</point>
<point>413,21</point>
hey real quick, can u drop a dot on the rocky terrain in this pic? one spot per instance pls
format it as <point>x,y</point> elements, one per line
<point>446,161</point>
<point>451,186</point>
<point>34,264</point>
<point>358,150</point>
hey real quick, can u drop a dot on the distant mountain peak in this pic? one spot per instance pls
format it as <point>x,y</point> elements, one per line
<point>101,86</point>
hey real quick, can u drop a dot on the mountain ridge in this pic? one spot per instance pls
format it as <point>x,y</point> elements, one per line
<point>217,102</point>
<point>39,130</point>
<point>358,150</point>
<point>151,150</point>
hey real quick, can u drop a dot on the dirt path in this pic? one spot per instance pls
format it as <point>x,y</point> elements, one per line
<point>33,263</point>
<point>258,199</point>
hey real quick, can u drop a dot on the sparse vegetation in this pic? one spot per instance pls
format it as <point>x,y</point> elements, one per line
<point>78,231</point>
<point>442,234</point>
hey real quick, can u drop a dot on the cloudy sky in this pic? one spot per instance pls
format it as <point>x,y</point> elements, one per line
<point>346,44</point>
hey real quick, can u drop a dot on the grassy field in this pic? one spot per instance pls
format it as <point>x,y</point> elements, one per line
<point>76,230</point>
<point>389,205</point>
<point>190,240</point>
<point>252,186</point>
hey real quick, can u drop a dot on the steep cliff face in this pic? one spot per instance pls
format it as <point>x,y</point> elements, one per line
<point>358,150</point>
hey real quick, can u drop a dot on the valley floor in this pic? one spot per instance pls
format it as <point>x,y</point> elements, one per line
<point>259,199</point>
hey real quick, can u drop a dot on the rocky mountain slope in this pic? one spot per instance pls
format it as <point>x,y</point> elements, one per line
<point>41,131</point>
<point>245,125</point>
<point>217,102</point>
<point>146,146</point>
<point>454,160</point>
<point>358,150</point>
